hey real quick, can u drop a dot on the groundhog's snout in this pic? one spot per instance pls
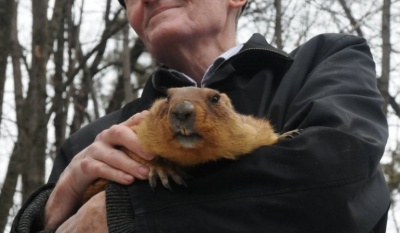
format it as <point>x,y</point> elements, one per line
<point>182,116</point>
<point>183,111</point>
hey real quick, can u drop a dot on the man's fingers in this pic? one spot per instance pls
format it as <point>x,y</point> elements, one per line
<point>113,164</point>
<point>101,159</point>
<point>123,135</point>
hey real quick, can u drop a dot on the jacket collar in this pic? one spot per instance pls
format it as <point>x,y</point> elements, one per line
<point>255,55</point>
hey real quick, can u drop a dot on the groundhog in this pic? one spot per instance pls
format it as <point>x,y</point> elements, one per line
<point>193,126</point>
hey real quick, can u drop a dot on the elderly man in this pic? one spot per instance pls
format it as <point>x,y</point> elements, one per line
<point>327,179</point>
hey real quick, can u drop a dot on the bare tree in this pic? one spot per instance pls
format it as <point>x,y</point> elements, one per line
<point>386,53</point>
<point>16,159</point>
<point>32,113</point>
<point>354,23</point>
<point>5,33</point>
<point>126,61</point>
<point>278,24</point>
<point>32,137</point>
<point>60,109</point>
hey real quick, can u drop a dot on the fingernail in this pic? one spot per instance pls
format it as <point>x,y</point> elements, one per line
<point>147,155</point>
<point>133,116</point>
<point>144,171</point>
<point>128,178</point>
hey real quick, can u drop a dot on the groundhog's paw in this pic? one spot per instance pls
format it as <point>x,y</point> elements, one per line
<point>164,171</point>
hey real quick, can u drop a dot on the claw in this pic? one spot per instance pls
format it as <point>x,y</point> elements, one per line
<point>164,178</point>
<point>153,178</point>
<point>178,179</point>
<point>165,170</point>
<point>290,134</point>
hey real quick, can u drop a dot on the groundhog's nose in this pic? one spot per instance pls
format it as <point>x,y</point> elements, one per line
<point>182,117</point>
<point>183,111</point>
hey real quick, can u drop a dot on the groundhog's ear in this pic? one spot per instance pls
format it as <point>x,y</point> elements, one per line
<point>226,99</point>
<point>170,92</point>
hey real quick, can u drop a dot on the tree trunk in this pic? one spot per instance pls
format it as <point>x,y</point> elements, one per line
<point>386,52</point>
<point>34,112</point>
<point>59,100</point>
<point>16,159</point>
<point>118,95</point>
<point>126,65</point>
<point>278,24</point>
<point>5,33</point>
<point>10,183</point>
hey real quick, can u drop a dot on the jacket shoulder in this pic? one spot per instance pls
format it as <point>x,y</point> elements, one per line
<point>329,43</point>
<point>332,37</point>
<point>336,40</point>
<point>330,46</point>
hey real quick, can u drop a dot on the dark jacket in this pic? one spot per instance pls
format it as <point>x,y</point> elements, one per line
<point>327,179</point>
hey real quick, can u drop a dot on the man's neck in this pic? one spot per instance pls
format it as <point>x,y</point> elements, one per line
<point>193,59</point>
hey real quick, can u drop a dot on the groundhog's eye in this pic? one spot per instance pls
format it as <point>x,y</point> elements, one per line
<point>168,99</point>
<point>215,99</point>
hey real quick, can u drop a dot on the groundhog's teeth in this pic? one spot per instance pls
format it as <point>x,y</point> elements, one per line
<point>188,141</point>
<point>185,132</point>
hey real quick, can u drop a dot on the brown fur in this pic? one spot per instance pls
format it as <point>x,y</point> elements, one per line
<point>220,133</point>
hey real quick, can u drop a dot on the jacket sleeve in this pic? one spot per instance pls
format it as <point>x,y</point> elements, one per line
<point>30,217</point>
<point>337,105</point>
<point>332,96</point>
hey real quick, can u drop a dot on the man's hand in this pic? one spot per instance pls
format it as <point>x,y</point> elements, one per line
<point>91,217</point>
<point>99,160</point>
